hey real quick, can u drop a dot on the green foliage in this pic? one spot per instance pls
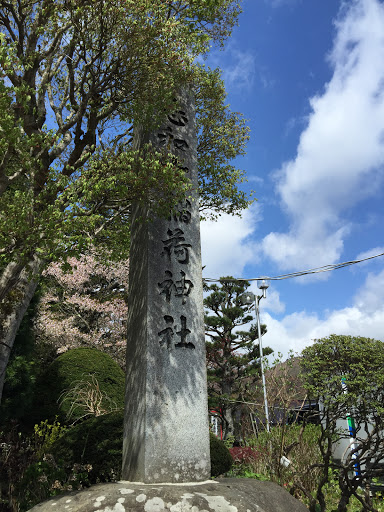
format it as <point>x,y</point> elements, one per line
<point>22,370</point>
<point>99,68</point>
<point>302,476</point>
<point>233,356</point>
<point>358,361</point>
<point>96,441</point>
<point>109,66</point>
<point>45,435</point>
<point>19,389</point>
<point>67,372</point>
<point>16,454</point>
<point>223,135</point>
<point>221,459</point>
<point>46,478</point>
<point>332,498</point>
<point>299,446</point>
<point>228,441</point>
<point>345,373</point>
<point>55,459</point>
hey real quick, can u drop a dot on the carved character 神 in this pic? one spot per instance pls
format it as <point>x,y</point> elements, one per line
<point>181,288</point>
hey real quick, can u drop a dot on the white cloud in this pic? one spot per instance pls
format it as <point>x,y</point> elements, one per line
<point>240,73</point>
<point>370,297</point>
<point>226,244</point>
<point>238,67</point>
<point>340,156</point>
<point>364,318</point>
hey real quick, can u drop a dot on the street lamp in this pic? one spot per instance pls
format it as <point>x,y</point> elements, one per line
<point>248,298</point>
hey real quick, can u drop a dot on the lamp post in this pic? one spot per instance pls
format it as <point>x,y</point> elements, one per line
<point>249,298</point>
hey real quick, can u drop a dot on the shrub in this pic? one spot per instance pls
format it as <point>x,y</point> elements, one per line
<point>96,441</point>
<point>299,445</point>
<point>16,455</point>
<point>56,459</point>
<point>244,454</point>
<point>45,478</point>
<point>87,453</point>
<point>45,436</point>
<point>78,369</point>
<point>221,459</point>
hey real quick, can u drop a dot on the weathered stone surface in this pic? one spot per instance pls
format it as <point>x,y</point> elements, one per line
<point>223,495</point>
<point>166,434</point>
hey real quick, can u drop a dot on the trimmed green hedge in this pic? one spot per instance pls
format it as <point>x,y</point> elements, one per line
<point>221,459</point>
<point>97,441</point>
<point>75,366</point>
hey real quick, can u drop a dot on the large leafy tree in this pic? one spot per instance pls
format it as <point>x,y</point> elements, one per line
<point>345,374</point>
<point>75,76</point>
<point>233,355</point>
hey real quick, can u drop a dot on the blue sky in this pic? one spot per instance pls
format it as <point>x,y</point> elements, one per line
<point>309,77</point>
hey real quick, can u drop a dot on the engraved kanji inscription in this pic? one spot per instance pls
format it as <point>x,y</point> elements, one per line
<point>167,139</point>
<point>167,333</point>
<point>178,118</point>
<point>175,245</point>
<point>180,144</point>
<point>180,288</point>
<point>183,333</point>
<point>182,213</point>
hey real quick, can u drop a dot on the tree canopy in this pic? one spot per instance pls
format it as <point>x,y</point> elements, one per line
<point>233,355</point>
<point>345,374</point>
<point>75,78</point>
<point>353,360</point>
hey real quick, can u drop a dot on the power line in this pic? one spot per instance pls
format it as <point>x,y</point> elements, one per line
<point>325,268</point>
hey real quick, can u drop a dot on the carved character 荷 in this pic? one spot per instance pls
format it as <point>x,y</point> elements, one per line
<point>176,244</point>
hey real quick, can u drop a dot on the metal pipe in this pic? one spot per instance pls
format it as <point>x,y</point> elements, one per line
<point>257,300</point>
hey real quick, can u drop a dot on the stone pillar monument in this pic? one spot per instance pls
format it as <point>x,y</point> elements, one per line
<point>166,435</point>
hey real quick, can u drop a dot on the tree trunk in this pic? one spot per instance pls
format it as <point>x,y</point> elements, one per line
<point>19,284</point>
<point>237,414</point>
<point>9,279</point>
<point>226,389</point>
<point>229,427</point>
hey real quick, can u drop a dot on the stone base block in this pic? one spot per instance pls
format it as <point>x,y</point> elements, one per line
<point>222,495</point>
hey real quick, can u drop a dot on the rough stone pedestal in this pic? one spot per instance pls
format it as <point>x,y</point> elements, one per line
<point>222,495</point>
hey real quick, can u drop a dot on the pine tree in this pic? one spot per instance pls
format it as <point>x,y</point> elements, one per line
<point>233,355</point>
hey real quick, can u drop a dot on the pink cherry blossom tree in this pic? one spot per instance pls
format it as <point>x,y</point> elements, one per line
<point>84,306</point>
